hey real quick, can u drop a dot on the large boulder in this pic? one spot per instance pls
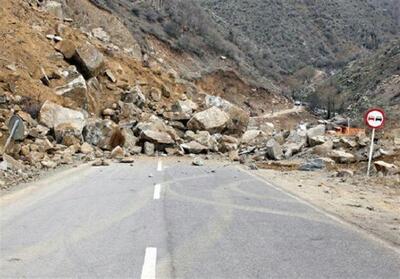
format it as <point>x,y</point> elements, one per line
<point>253,137</point>
<point>212,120</point>
<point>238,118</point>
<point>274,150</point>
<point>157,137</point>
<point>129,113</point>
<point>315,132</point>
<point>228,143</point>
<point>68,134</point>
<point>99,132</point>
<point>156,131</point>
<point>323,149</point>
<point>386,168</point>
<point>342,157</point>
<point>74,86</point>
<point>204,138</point>
<point>130,141</point>
<point>314,141</point>
<point>89,60</point>
<point>185,106</point>
<point>296,141</point>
<point>51,115</point>
<point>134,95</point>
<point>194,147</point>
<point>10,163</point>
<point>67,48</point>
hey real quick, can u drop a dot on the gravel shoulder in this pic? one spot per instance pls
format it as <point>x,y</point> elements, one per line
<point>372,204</point>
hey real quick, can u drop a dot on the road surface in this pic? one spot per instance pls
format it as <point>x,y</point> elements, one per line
<point>295,109</point>
<point>168,219</point>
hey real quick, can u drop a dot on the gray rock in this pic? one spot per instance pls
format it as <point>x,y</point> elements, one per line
<point>347,143</point>
<point>117,153</point>
<point>314,132</point>
<point>176,116</point>
<point>49,164</point>
<point>274,150</point>
<point>314,141</point>
<point>9,163</point>
<point>323,149</point>
<point>100,163</point>
<point>158,137</point>
<point>342,157</point>
<point>211,120</point>
<point>51,115</point>
<point>38,132</point>
<point>135,96</point>
<point>155,94</point>
<point>156,124</point>
<point>67,48</point>
<point>98,132</point>
<point>312,165</point>
<point>204,138</point>
<point>194,147</point>
<point>228,143</point>
<point>186,106</point>
<point>295,142</point>
<point>238,118</point>
<point>110,75</point>
<point>74,87</point>
<point>89,60</point>
<point>86,148</point>
<point>100,34</point>
<point>253,137</point>
<point>197,161</point>
<point>68,133</point>
<point>386,168</point>
<point>149,148</point>
<point>130,140</point>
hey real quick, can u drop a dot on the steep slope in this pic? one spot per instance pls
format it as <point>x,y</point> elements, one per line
<point>371,81</point>
<point>293,34</point>
<point>186,27</point>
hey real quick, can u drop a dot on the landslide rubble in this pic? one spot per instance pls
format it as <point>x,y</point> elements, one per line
<point>83,99</point>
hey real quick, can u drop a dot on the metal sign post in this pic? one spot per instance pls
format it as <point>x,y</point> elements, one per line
<point>375,119</point>
<point>371,151</point>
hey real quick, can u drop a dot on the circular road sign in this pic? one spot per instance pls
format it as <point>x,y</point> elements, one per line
<point>375,118</point>
<point>16,127</point>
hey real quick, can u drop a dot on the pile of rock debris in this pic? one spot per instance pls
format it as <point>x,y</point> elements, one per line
<point>152,119</point>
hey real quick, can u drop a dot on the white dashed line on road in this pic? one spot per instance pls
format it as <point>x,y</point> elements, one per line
<point>159,165</point>
<point>157,192</point>
<point>149,264</point>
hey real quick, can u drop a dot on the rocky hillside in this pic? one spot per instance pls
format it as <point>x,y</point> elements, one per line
<point>83,92</point>
<point>294,34</point>
<point>373,81</point>
<point>275,44</point>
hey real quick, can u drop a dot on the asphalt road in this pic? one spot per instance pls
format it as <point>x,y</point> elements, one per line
<point>174,220</point>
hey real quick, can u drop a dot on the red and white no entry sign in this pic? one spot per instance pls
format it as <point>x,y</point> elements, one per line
<point>375,118</point>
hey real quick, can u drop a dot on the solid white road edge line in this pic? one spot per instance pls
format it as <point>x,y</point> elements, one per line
<point>159,165</point>
<point>157,192</point>
<point>149,264</point>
